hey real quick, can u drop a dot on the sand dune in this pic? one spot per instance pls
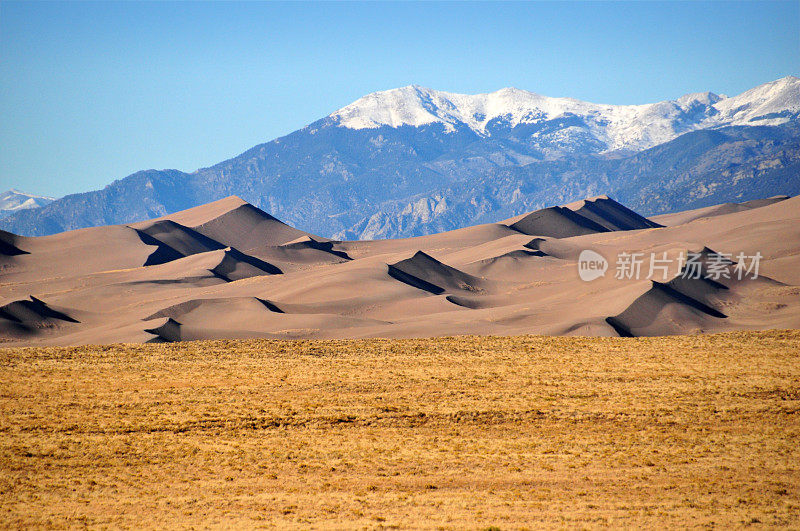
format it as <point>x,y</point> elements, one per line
<point>27,317</point>
<point>167,330</point>
<point>238,224</point>
<point>506,263</point>
<point>558,222</point>
<point>177,311</point>
<point>183,240</point>
<point>302,253</point>
<point>229,270</point>
<point>226,264</point>
<point>679,218</point>
<point>235,265</point>
<point>611,215</point>
<point>693,301</point>
<point>424,272</point>
<point>666,309</point>
<point>307,242</point>
<point>82,252</point>
<point>7,247</point>
<point>238,317</point>
<point>194,319</point>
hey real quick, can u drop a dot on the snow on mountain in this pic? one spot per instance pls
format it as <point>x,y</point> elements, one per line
<point>14,200</point>
<point>630,127</point>
<point>768,104</point>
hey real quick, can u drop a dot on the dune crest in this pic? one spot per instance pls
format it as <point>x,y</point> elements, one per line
<point>611,215</point>
<point>183,240</point>
<point>242,225</point>
<point>166,332</point>
<point>557,222</point>
<point>29,316</point>
<point>424,272</point>
<point>236,265</point>
<point>7,244</point>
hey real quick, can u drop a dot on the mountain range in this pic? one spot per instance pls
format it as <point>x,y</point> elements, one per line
<point>13,201</point>
<point>414,161</point>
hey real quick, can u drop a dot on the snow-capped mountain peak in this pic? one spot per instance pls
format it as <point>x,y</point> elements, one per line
<point>772,103</point>
<point>417,106</point>
<point>14,200</point>
<point>611,127</point>
<point>705,98</point>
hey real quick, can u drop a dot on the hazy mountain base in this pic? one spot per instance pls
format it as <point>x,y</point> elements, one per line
<point>695,170</point>
<point>466,432</point>
<point>399,182</point>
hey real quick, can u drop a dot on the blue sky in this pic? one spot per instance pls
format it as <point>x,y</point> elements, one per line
<point>91,92</point>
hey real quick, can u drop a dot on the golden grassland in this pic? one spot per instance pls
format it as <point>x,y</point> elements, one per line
<point>468,432</point>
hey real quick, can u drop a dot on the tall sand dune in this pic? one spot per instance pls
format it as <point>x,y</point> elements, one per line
<point>664,310</point>
<point>611,215</point>
<point>177,237</point>
<point>424,272</point>
<point>558,222</point>
<point>236,223</point>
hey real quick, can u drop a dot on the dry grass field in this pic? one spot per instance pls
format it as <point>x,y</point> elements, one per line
<point>470,432</point>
